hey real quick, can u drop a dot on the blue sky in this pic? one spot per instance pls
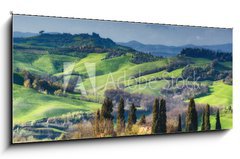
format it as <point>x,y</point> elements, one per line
<point>124,31</point>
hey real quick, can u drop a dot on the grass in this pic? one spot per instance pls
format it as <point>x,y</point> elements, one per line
<point>29,105</point>
<point>40,63</point>
<point>150,88</point>
<point>220,95</point>
<point>227,64</point>
<point>225,119</point>
<point>199,61</point>
<point>110,73</point>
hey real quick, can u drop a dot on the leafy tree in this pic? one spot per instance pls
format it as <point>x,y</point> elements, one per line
<point>132,118</point>
<point>27,83</point>
<point>218,123</point>
<point>120,116</point>
<point>142,120</point>
<point>35,84</point>
<point>162,117</point>
<point>191,117</point>
<point>179,129</point>
<point>41,32</point>
<point>155,116</point>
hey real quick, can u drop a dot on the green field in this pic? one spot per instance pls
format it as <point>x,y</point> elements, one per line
<point>41,63</point>
<point>150,88</point>
<point>226,121</point>
<point>220,95</point>
<point>29,105</point>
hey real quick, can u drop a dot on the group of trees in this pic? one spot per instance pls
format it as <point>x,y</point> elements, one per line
<point>80,45</point>
<point>192,118</point>
<point>206,53</point>
<point>104,124</point>
<point>159,117</point>
<point>207,72</point>
<point>104,120</point>
<point>28,80</point>
<point>140,57</point>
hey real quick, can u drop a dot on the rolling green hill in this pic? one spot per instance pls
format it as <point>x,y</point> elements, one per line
<point>113,67</point>
<point>29,105</point>
<point>220,95</point>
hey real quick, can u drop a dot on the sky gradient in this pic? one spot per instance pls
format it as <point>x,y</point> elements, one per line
<point>125,31</point>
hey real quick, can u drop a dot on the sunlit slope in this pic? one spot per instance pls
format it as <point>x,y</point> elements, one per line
<point>29,105</point>
<point>220,95</point>
<point>40,63</point>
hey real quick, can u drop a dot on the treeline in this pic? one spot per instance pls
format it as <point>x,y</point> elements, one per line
<point>139,57</point>
<point>207,72</point>
<point>43,85</point>
<point>104,120</point>
<point>205,53</point>
<point>80,45</point>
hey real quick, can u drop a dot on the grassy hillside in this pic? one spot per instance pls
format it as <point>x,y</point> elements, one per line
<point>29,105</point>
<point>151,88</point>
<point>220,95</point>
<point>40,63</point>
<point>226,121</point>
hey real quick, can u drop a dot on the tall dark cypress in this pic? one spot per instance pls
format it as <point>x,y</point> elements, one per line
<point>162,117</point>
<point>132,118</point>
<point>218,123</point>
<point>191,117</point>
<point>155,116</point>
<point>97,123</point>
<point>179,129</point>
<point>120,116</point>
<point>207,118</point>
<point>203,120</point>
<point>106,117</point>
<point>107,108</point>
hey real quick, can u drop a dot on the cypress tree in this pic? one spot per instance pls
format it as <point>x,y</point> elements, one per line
<point>142,120</point>
<point>132,118</point>
<point>206,125</point>
<point>106,117</point>
<point>218,123</point>
<point>179,129</point>
<point>191,117</point>
<point>162,117</point>
<point>107,108</point>
<point>97,123</point>
<point>155,116</point>
<point>207,118</point>
<point>120,116</point>
<point>203,120</point>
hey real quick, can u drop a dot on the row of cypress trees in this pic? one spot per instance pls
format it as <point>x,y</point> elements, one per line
<point>192,118</point>
<point>103,123</point>
<point>159,117</point>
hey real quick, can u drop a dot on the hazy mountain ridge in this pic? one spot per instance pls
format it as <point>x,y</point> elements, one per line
<point>164,50</point>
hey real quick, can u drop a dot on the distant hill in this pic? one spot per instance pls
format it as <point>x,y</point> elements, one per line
<point>18,34</point>
<point>64,40</point>
<point>78,45</point>
<point>164,50</point>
